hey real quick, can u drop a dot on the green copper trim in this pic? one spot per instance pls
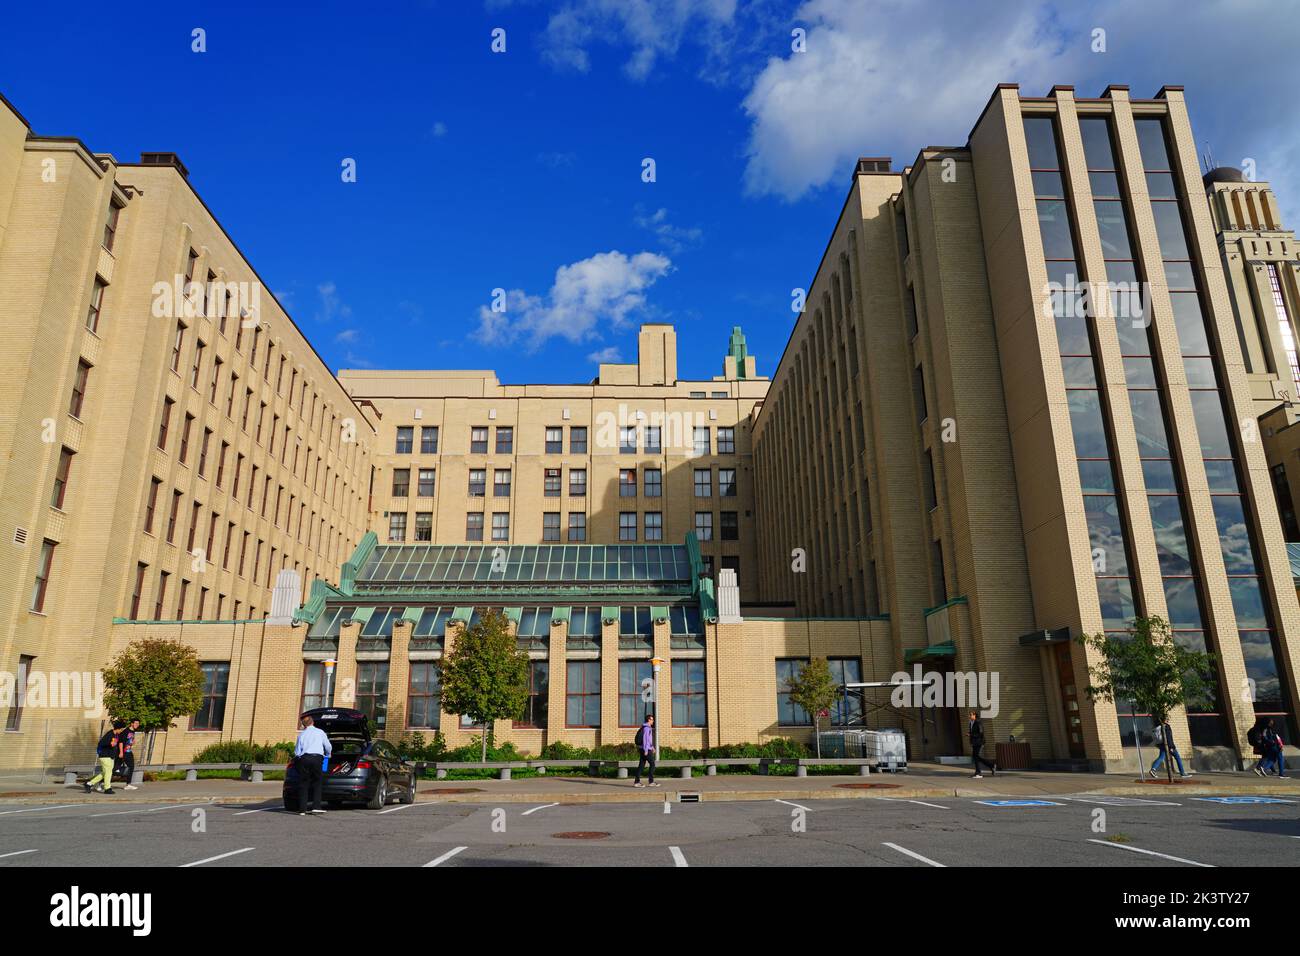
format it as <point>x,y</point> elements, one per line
<point>353,566</point>
<point>738,350</point>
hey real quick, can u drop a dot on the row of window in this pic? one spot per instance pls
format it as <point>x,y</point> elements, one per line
<point>502,482</point>
<point>651,525</point>
<point>534,622</point>
<point>631,438</point>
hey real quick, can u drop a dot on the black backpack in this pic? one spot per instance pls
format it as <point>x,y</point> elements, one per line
<point>107,745</point>
<point>1253,735</point>
<point>639,741</point>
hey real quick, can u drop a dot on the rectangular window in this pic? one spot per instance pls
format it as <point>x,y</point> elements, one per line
<point>685,626</point>
<point>727,482</point>
<point>79,388</point>
<point>729,526</point>
<point>554,440</point>
<point>160,596</point>
<point>702,440</point>
<point>632,710</point>
<point>478,440</point>
<point>582,694</point>
<point>43,566</point>
<point>197,368</point>
<point>425,487</point>
<point>14,720</point>
<point>474,526</point>
<point>166,421</point>
<point>652,440</point>
<point>551,526</point>
<point>178,343</point>
<point>577,526</point>
<point>397,526</point>
<point>429,440</point>
<point>96,303</point>
<point>689,701</point>
<point>171,517</point>
<point>424,526</point>
<point>578,439</point>
<point>185,438</point>
<point>703,483</point>
<point>704,525</point>
<point>788,713</point>
<point>212,712</point>
<point>110,225</point>
<point>654,526</point>
<point>137,590</point>
<point>654,482</point>
<point>61,474</point>
<point>500,526</point>
<point>726,441</point>
<point>535,708</point>
<point>918,394</point>
<point>401,482</point>
<point>405,436</point>
<point>627,440</point>
<point>372,691</point>
<point>627,482</point>
<point>551,482</point>
<point>505,440</point>
<point>203,452</point>
<point>317,685</point>
<point>424,697</point>
<point>577,482</point>
<point>477,482</point>
<point>847,709</point>
<point>501,483</point>
<point>627,526</point>
<point>150,504</point>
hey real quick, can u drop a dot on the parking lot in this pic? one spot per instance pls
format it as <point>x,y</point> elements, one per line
<point>1065,831</point>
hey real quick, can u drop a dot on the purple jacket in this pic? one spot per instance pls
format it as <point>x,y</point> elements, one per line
<point>647,738</point>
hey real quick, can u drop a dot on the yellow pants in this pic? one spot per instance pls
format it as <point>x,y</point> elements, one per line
<point>105,773</point>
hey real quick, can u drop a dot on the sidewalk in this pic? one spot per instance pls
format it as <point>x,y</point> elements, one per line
<point>921,781</point>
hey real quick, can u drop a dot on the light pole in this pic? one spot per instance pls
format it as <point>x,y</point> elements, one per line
<point>328,698</point>
<point>655,664</point>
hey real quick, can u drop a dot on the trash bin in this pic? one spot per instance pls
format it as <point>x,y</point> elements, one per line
<point>1013,756</point>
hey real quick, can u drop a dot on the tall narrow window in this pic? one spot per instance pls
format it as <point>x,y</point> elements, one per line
<point>96,303</point>
<point>43,567</point>
<point>61,474</point>
<point>110,225</point>
<point>79,388</point>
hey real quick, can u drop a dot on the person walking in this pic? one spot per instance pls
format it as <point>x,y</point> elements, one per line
<point>645,749</point>
<point>976,734</point>
<point>1165,744</point>
<point>126,765</point>
<point>310,751</point>
<point>1272,743</point>
<point>107,751</point>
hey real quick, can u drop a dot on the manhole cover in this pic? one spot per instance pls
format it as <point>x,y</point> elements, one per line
<point>452,790</point>
<point>868,786</point>
<point>581,835</point>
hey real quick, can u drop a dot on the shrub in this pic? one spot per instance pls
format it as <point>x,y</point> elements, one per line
<point>243,751</point>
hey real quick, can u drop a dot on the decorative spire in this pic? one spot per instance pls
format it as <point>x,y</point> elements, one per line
<point>736,349</point>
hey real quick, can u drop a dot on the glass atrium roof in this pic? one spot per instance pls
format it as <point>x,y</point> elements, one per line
<point>488,564</point>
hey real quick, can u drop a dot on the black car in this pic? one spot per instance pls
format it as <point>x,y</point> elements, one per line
<point>360,770</point>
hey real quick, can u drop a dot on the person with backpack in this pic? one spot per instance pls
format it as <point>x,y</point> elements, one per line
<point>645,749</point>
<point>1272,743</point>
<point>1165,744</point>
<point>107,751</point>
<point>1255,738</point>
<point>126,765</point>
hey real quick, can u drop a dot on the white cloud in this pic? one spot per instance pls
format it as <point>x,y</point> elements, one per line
<point>603,290</point>
<point>348,335</point>
<point>673,238</point>
<point>610,354</point>
<point>439,129</point>
<point>653,29</point>
<point>331,307</point>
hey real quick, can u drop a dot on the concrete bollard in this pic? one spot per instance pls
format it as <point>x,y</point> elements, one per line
<point>622,773</point>
<point>137,777</point>
<point>801,771</point>
<point>70,778</point>
<point>441,774</point>
<point>686,773</point>
<point>864,770</point>
<point>191,775</point>
<point>504,774</point>
<point>710,771</point>
<point>541,771</point>
<point>257,776</point>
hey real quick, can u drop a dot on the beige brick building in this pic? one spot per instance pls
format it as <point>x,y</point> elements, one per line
<point>963,459</point>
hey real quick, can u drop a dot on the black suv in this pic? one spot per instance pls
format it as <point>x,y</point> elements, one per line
<point>361,770</point>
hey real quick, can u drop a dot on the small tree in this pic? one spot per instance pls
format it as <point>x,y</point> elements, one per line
<point>814,690</point>
<point>153,681</point>
<point>485,675</point>
<point>1148,667</point>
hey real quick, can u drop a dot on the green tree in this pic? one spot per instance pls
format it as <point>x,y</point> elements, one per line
<point>1152,670</point>
<point>814,690</point>
<point>153,681</point>
<point>485,675</point>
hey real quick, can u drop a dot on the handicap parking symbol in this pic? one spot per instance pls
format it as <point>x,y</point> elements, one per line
<point>1020,803</point>
<point>1242,800</point>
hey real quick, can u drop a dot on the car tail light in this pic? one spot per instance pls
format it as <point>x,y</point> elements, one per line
<point>363,764</point>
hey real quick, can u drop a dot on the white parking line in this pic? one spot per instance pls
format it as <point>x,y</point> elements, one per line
<point>535,809</point>
<point>1163,856</point>
<point>1111,801</point>
<point>447,856</point>
<point>798,805</point>
<point>61,806</point>
<point>400,806</point>
<point>916,856</point>
<point>15,853</point>
<point>256,810</point>
<point>174,806</point>
<point>213,859</point>
<point>935,805</point>
<point>678,859</point>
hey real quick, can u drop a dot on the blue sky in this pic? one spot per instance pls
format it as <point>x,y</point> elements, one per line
<point>522,170</point>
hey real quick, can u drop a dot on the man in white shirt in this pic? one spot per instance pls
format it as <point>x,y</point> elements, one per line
<point>312,748</point>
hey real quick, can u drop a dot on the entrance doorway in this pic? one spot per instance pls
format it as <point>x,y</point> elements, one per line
<point>1069,700</point>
